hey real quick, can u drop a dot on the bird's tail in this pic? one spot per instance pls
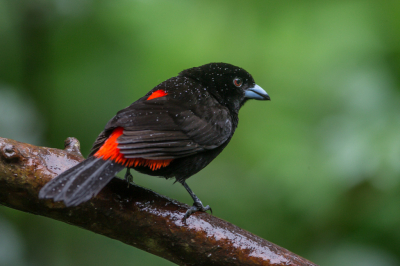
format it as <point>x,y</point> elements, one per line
<point>81,182</point>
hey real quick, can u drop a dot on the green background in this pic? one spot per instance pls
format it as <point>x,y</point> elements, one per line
<point>316,170</point>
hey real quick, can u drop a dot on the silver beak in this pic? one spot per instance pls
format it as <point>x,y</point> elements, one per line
<point>256,93</point>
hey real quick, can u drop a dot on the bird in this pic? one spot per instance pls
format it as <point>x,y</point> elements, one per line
<point>173,131</point>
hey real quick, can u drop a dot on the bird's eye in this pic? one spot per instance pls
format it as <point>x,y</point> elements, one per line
<point>237,82</point>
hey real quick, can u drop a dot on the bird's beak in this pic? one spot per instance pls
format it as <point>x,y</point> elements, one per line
<point>256,93</point>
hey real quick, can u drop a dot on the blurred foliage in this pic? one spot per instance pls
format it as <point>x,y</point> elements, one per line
<point>316,170</point>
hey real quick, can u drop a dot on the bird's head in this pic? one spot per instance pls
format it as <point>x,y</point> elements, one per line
<point>232,86</point>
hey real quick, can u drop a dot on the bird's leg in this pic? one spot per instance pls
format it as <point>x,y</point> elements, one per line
<point>197,205</point>
<point>128,176</point>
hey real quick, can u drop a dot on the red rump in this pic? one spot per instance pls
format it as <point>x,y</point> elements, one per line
<point>157,94</point>
<point>110,150</point>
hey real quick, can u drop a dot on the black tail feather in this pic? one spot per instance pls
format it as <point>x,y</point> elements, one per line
<point>81,182</point>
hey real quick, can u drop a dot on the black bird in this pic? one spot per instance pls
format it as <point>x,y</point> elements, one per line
<point>175,130</point>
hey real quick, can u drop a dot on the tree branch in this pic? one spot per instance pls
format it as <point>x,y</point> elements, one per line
<point>134,215</point>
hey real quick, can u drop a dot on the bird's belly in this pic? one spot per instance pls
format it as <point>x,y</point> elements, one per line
<point>185,167</point>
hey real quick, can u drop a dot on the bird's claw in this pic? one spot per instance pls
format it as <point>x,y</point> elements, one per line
<point>197,206</point>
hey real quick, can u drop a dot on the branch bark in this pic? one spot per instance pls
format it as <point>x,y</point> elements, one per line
<point>134,215</point>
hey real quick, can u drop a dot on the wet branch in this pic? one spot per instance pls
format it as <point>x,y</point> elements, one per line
<point>134,215</point>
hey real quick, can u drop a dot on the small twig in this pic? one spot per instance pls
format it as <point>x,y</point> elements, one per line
<point>134,215</point>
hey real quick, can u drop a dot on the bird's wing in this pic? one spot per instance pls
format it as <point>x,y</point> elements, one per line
<point>168,129</point>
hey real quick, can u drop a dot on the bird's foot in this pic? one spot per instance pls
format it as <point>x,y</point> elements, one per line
<point>197,206</point>
<point>128,177</point>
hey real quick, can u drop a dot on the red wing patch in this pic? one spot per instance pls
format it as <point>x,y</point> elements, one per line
<point>110,151</point>
<point>157,94</point>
